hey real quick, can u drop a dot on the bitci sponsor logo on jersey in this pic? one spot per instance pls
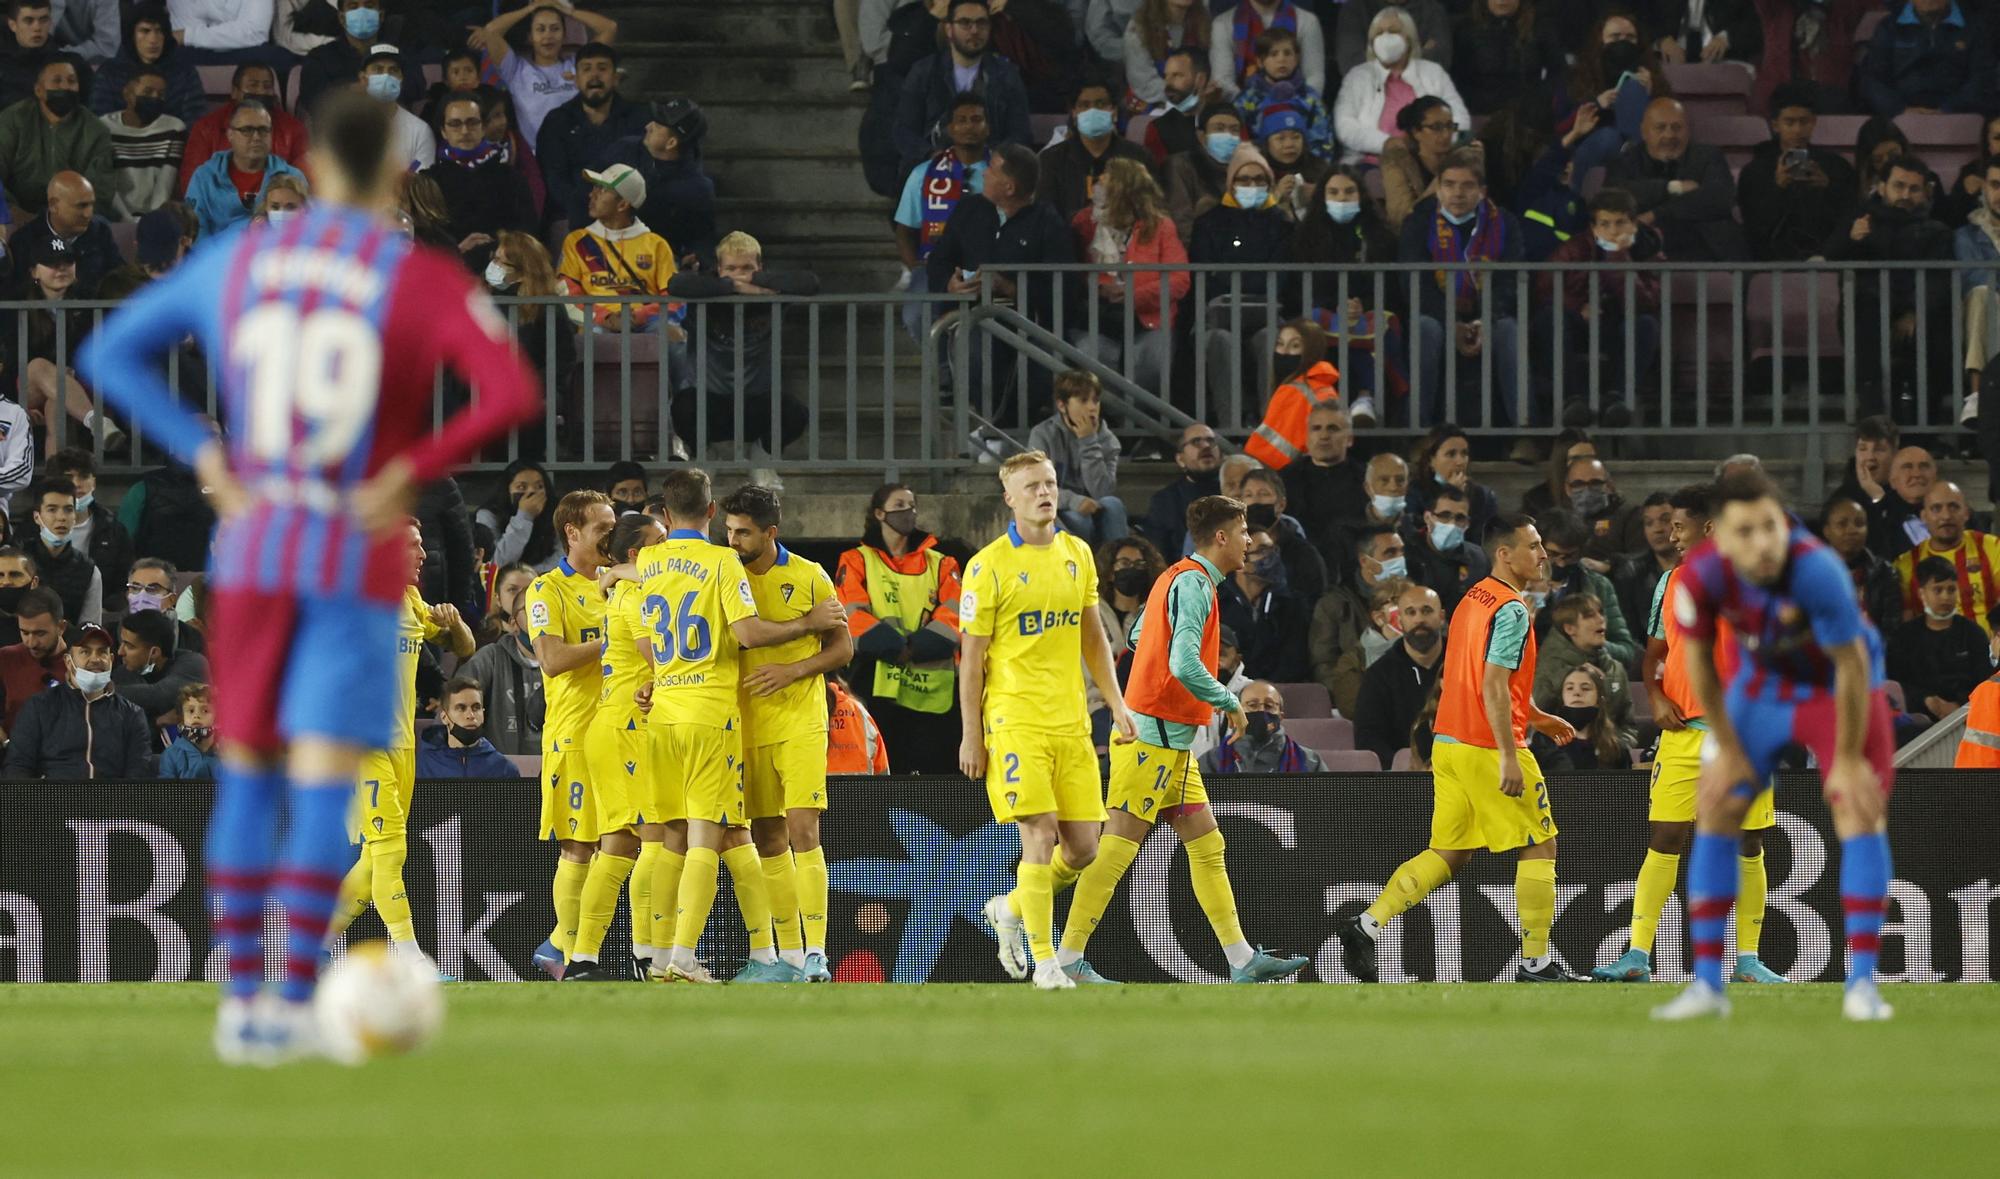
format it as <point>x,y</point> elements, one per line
<point>1035,622</point>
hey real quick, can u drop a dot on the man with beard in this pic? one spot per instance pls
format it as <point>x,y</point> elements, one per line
<point>1199,455</point>
<point>966,65</point>
<point>1895,225</point>
<point>1395,687</point>
<point>583,130</point>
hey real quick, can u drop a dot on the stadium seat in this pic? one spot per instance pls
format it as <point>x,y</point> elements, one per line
<point>1945,142</point>
<point>291,94</point>
<point>1135,128</point>
<point>1642,705</point>
<point>1864,32</point>
<point>1711,88</point>
<point>1326,732</point>
<point>1401,762</point>
<point>1739,136</point>
<point>126,234</point>
<point>606,357</point>
<point>1306,700</point>
<point>1592,181</point>
<point>1042,127</point>
<point>1693,298</point>
<point>215,81</point>
<point>1350,761</point>
<point>1790,335</point>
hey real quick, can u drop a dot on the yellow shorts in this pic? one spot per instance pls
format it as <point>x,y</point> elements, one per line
<point>1469,811</point>
<point>1148,781</point>
<point>786,776</point>
<point>381,808</point>
<point>569,809</point>
<point>620,776</point>
<point>700,771</point>
<point>1035,772</point>
<point>1677,782</point>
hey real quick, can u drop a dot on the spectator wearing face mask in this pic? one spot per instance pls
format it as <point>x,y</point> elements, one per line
<point>1073,169</point>
<point>1600,743</point>
<point>64,568</point>
<point>1306,379</point>
<point>625,483</point>
<point>1939,656</point>
<point>17,577</point>
<point>1273,622</point>
<point>519,513</point>
<point>510,680</point>
<point>381,77</point>
<point>1578,636</point>
<point>151,669</point>
<point>1265,505</point>
<point>1126,570</point>
<point>50,134</point>
<point>1182,86</point>
<point>1564,535</point>
<point>1197,179</point>
<point>1616,527</point>
<point>150,46</point>
<point>149,585</point>
<point>82,729</point>
<point>1264,748</point>
<point>192,756</point>
<point>1345,611</point>
<point>1377,639</point>
<point>1439,549</point>
<point>146,147</point>
<point>95,530</point>
<point>458,747</point>
<point>337,61</point>
<point>1396,685</point>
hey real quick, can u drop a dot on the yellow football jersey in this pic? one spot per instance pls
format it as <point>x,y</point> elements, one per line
<point>783,592</point>
<point>567,606</point>
<point>694,591</point>
<point>625,666</point>
<point>413,630</point>
<point>1031,599</point>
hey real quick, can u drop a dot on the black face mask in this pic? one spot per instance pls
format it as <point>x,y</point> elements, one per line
<point>1261,515</point>
<point>62,103</point>
<point>1619,57</point>
<point>464,736</point>
<point>903,522</point>
<point>196,734</point>
<point>149,109</point>
<point>10,597</point>
<point>1133,583</point>
<point>1262,725</point>
<point>1579,718</point>
<point>1283,365</point>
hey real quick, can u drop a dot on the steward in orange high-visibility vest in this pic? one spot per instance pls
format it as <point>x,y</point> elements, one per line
<point>1979,749</point>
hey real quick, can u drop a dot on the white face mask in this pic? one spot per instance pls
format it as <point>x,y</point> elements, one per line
<point>280,216</point>
<point>1941,615</point>
<point>496,274</point>
<point>90,683</point>
<point>1251,196</point>
<point>1390,48</point>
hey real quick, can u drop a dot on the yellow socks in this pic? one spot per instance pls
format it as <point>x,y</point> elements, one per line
<point>781,885</point>
<point>1093,892</point>
<point>1211,888</point>
<point>812,892</point>
<point>1535,899</point>
<point>385,857</point>
<point>355,889</point>
<point>568,893</point>
<point>1061,875</point>
<point>1416,879</point>
<point>746,875</point>
<point>1656,884</point>
<point>697,897</point>
<point>667,871</point>
<point>640,891</point>
<point>599,903</point>
<point>1034,891</point>
<point>1752,887</point>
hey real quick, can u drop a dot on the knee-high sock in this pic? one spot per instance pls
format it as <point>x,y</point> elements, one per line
<point>697,897</point>
<point>781,885</point>
<point>385,857</point>
<point>746,876</point>
<point>1864,892</point>
<point>1036,895</point>
<point>1211,888</point>
<point>599,903</point>
<point>1656,883</point>
<point>1061,875</point>
<point>1752,890</point>
<point>1535,901</point>
<point>640,891</point>
<point>667,896</point>
<point>1094,889</point>
<point>813,889</point>
<point>356,889</point>
<point>309,871</point>
<point>567,893</point>
<point>1711,890</point>
<point>1415,879</point>
<point>242,833</point>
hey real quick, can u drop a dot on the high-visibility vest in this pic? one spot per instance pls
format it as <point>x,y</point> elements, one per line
<point>909,599</point>
<point>1461,712</point>
<point>853,743</point>
<point>1979,749</point>
<point>1153,688</point>
<point>1281,436</point>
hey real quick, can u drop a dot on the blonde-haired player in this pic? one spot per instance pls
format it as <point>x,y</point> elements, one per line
<point>566,627</point>
<point>700,613</point>
<point>388,777</point>
<point>784,697</point>
<point>1030,620</point>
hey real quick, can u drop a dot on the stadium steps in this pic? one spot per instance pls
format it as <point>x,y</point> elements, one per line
<point>786,219</point>
<point>784,172</point>
<point>793,72</point>
<point>799,22</point>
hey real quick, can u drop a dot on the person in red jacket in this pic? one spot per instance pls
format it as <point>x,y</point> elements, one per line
<point>1610,299</point>
<point>210,133</point>
<point>1127,224</point>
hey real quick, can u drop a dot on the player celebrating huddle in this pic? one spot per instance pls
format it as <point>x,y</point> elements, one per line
<point>1810,672</point>
<point>1028,612</point>
<point>1676,770</point>
<point>1489,791</point>
<point>700,612</point>
<point>1173,695</point>
<point>784,746</point>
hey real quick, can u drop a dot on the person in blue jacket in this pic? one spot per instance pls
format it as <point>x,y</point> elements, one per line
<point>192,756</point>
<point>455,748</point>
<point>230,184</point>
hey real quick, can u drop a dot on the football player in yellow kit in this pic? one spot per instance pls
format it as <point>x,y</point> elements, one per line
<point>784,744</point>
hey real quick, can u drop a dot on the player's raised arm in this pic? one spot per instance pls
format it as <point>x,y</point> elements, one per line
<point>122,358</point>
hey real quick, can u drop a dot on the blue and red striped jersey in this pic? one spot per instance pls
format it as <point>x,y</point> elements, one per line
<point>1784,630</point>
<point>326,334</point>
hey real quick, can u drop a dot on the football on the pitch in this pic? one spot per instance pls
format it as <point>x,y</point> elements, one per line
<point>378,1002</point>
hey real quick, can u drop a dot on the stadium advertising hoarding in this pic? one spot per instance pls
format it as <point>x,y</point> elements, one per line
<point>102,882</point>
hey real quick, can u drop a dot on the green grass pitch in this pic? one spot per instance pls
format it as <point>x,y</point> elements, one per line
<point>1472,1079</point>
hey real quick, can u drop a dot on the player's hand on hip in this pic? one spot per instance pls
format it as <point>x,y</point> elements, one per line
<point>972,757</point>
<point>1511,781</point>
<point>826,614</point>
<point>767,678</point>
<point>385,500</point>
<point>1667,714</point>
<point>225,491</point>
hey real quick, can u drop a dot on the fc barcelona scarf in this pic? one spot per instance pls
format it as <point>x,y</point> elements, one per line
<point>1249,24</point>
<point>1291,761</point>
<point>1452,243</point>
<point>943,186</point>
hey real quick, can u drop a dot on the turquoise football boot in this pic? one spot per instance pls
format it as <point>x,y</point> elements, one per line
<point>1081,971</point>
<point>1264,967</point>
<point>1751,969</point>
<point>1632,966</point>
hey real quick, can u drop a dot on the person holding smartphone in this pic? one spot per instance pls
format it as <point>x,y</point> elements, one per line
<point>1792,195</point>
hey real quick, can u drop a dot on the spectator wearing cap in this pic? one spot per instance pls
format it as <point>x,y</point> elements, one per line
<point>1929,57</point>
<point>163,242</point>
<point>69,214</point>
<point>738,368</point>
<point>540,76</point>
<point>967,63</point>
<point>37,660</point>
<point>51,134</point>
<point>583,129</point>
<point>483,195</point>
<point>146,146</point>
<point>382,78</point>
<point>210,133</point>
<point>1279,85</point>
<point>152,669</point>
<point>50,275</point>
<point>616,254</point>
<point>95,530</point>
<point>82,729</point>
<point>1072,169</point>
<point>225,190</point>
<point>680,196</point>
<point>149,45</point>
<point>1396,73</point>
<point>1282,133</point>
<point>335,63</point>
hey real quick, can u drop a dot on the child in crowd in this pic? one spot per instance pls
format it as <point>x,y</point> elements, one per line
<point>1085,453</point>
<point>192,757</point>
<point>1278,83</point>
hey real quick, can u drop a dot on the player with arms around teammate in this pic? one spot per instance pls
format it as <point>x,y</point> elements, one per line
<point>699,614</point>
<point>1676,771</point>
<point>566,628</point>
<point>1029,616</point>
<point>327,445</point>
<point>1173,694</point>
<point>389,776</point>
<point>1809,671</point>
<point>1488,791</point>
<point>784,744</point>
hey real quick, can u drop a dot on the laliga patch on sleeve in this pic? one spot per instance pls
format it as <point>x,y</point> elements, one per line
<point>538,615</point>
<point>743,592</point>
<point>968,606</point>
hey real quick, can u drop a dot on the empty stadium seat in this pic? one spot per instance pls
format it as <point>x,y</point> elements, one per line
<point>126,234</point>
<point>1801,305</point>
<point>215,81</point>
<point>291,94</point>
<point>1401,762</point>
<point>1350,761</point>
<point>1306,700</point>
<point>606,351</point>
<point>1945,142</point>
<point>1838,133</point>
<point>1711,88</point>
<point>1737,135</point>
<point>1326,732</point>
<point>1864,31</point>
